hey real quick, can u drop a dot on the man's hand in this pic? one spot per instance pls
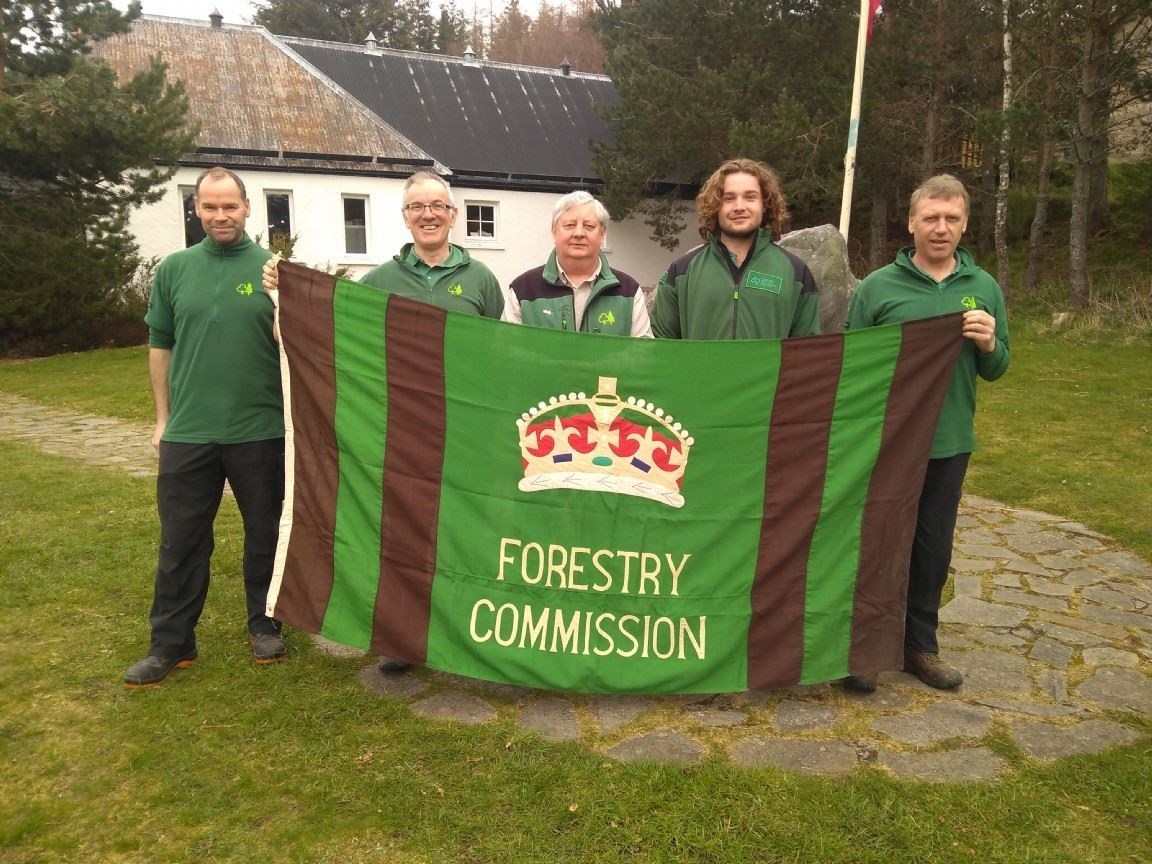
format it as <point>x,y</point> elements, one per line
<point>157,433</point>
<point>270,279</point>
<point>980,327</point>
<point>270,276</point>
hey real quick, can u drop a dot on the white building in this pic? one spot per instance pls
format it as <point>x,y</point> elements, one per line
<point>325,134</point>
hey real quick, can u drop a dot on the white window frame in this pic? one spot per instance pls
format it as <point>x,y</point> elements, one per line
<point>478,241</point>
<point>184,189</point>
<point>293,228</point>
<point>366,255</point>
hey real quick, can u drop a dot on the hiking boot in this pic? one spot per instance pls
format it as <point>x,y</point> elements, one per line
<point>268,648</point>
<point>859,683</point>
<point>929,668</point>
<point>387,664</point>
<point>153,669</point>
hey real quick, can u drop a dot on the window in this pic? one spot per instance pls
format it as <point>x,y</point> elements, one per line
<point>279,206</point>
<point>355,225</point>
<point>193,229</point>
<point>480,220</point>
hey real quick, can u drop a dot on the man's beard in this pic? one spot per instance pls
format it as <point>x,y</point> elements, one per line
<point>739,234</point>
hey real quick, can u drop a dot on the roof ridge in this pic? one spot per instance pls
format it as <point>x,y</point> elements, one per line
<point>430,55</point>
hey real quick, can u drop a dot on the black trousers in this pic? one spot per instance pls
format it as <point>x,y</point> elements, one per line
<point>189,487</point>
<point>932,549</point>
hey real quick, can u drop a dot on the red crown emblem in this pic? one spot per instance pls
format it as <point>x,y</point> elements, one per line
<point>604,444</point>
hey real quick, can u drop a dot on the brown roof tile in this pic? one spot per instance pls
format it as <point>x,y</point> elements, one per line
<point>248,93</point>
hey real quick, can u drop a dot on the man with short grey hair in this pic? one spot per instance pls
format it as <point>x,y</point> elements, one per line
<point>576,289</point>
<point>430,268</point>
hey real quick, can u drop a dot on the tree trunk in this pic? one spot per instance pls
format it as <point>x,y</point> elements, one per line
<point>1002,270</point>
<point>1099,214</point>
<point>1079,285</point>
<point>986,238</point>
<point>878,243</point>
<point>1043,170</point>
<point>1083,149</point>
<point>931,141</point>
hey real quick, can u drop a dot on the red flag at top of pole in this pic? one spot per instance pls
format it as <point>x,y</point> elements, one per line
<point>874,7</point>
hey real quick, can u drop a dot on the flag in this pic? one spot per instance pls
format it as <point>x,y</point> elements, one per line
<point>874,9</point>
<point>601,514</point>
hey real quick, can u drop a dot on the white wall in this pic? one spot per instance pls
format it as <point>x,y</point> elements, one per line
<point>523,236</point>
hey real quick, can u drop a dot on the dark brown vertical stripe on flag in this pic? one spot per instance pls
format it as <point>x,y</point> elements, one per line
<point>793,490</point>
<point>306,323</point>
<point>413,463</point>
<point>928,351</point>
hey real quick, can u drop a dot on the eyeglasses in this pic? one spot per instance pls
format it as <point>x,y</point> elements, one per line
<point>416,208</point>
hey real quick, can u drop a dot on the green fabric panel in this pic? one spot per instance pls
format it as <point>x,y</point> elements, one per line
<point>361,423</point>
<point>516,595</point>
<point>854,441</point>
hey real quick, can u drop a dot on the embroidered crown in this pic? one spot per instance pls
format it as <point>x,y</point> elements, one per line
<point>604,444</point>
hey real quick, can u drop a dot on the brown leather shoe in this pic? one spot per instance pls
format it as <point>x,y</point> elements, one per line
<point>859,683</point>
<point>929,668</point>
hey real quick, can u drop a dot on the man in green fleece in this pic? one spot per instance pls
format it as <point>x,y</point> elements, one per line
<point>934,276</point>
<point>215,373</point>
<point>430,268</point>
<point>738,284</point>
<point>576,289</point>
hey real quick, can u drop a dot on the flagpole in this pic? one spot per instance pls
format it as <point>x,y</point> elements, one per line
<point>854,124</point>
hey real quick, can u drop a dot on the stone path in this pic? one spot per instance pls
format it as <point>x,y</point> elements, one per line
<point>1050,622</point>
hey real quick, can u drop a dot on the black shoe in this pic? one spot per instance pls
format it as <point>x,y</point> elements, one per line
<point>268,648</point>
<point>387,664</point>
<point>929,668</point>
<point>859,683</point>
<point>153,669</point>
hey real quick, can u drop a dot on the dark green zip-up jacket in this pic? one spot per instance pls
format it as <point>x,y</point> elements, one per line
<point>545,301</point>
<point>459,285</point>
<point>208,308</point>
<point>704,295</point>
<point>903,292</point>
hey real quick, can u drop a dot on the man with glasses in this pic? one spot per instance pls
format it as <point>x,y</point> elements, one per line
<point>430,268</point>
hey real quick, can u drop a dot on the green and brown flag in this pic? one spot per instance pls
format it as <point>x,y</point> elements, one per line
<point>602,514</point>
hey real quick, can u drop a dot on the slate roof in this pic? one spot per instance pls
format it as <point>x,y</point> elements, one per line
<point>258,103</point>
<point>493,120</point>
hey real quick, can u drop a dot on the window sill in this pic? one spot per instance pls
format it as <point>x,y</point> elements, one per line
<point>481,243</point>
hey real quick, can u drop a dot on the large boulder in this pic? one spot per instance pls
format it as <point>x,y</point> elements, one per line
<point>826,254</point>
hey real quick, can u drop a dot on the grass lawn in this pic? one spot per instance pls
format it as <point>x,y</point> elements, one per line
<point>299,763</point>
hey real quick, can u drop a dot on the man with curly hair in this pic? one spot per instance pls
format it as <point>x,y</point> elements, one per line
<point>738,284</point>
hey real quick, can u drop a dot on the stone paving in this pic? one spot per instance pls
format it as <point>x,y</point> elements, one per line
<point>1050,622</point>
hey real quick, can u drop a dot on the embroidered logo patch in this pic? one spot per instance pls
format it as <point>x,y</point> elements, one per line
<point>456,290</point>
<point>244,288</point>
<point>969,303</point>
<point>607,318</point>
<point>764,282</point>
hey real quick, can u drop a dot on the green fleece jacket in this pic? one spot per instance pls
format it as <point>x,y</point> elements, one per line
<point>208,309</point>
<point>459,284</point>
<point>903,292</point>
<point>705,295</point>
<point>545,301</point>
